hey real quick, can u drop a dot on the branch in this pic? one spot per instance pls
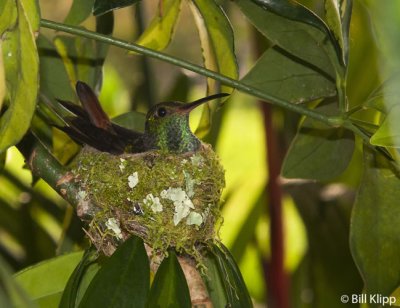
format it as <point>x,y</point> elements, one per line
<point>44,165</point>
<point>332,121</point>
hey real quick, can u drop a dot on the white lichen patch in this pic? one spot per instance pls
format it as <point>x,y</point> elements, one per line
<point>197,160</point>
<point>194,219</point>
<point>133,180</point>
<point>113,225</point>
<point>153,202</point>
<point>122,164</point>
<point>181,200</point>
<point>189,183</point>
<point>82,195</point>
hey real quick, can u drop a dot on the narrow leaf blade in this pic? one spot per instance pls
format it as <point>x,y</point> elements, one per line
<point>169,287</point>
<point>123,280</point>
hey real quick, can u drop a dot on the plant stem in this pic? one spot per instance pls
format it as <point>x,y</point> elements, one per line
<point>336,121</point>
<point>301,109</point>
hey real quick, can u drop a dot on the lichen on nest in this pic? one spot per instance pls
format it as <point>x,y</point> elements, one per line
<point>166,199</point>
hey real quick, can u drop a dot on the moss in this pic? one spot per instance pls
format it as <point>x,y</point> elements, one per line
<point>168,200</point>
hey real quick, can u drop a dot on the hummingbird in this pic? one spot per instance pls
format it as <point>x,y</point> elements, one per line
<point>166,127</point>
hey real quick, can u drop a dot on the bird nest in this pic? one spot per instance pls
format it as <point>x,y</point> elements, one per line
<point>166,199</point>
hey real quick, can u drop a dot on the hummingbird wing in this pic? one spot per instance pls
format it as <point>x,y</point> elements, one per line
<point>90,125</point>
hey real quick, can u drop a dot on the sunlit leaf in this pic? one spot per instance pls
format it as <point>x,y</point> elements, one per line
<point>123,280</point>
<point>161,29</point>
<point>388,134</point>
<point>318,151</point>
<point>11,293</point>
<point>21,65</point>
<point>217,42</point>
<point>288,78</point>
<point>169,287</point>
<point>45,282</point>
<point>80,10</point>
<point>103,6</point>
<point>374,233</point>
<point>235,288</point>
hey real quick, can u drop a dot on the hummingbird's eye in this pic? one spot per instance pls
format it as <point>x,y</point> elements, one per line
<point>161,112</point>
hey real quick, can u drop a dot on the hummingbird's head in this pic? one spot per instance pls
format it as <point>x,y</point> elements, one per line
<point>167,125</point>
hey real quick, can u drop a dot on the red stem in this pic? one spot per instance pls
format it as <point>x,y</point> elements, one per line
<point>276,277</point>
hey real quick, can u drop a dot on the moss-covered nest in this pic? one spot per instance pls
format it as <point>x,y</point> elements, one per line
<point>166,199</point>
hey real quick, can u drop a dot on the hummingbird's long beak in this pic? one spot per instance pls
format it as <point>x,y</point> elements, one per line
<point>186,108</point>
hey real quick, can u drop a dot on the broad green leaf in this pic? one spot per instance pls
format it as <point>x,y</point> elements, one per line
<point>133,120</point>
<point>214,282</point>
<point>159,33</point>
<point>318,151</point>
<point>123,280</point>
<point>80,11</point>
<point>103,6</point>
<point>235,288</point>
<point>217,42</point>
<point>288,78</point>
<point>70,294</point>
<point>388,134</point>
<point>374,232</point>
<point>45,282</point>
<point>21,65</point>
<point>295,29</point>
<point>169,287</point>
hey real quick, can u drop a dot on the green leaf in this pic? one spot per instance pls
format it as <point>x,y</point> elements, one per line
<point>11,293</point>
<point>295,29</point>
<point>82,59</point>
<point>103,6</point>
<point>54,82</point>
<point>80,11</point>
<point>123,280</point>
<point>21,66</point>
<point>288,78</point>
<point>388,134</point>
<point>374,233</point>
<point>386,95</point>
<point>45,282</point>
<point>338,14</point>
<point>159,33</point>
<point>235,288</point>
<point>132,120</point>
<point>217,42</point>
<point>319,151</point>
<point>214,282</point>
<point>70,295</point>
<point>169,287</point>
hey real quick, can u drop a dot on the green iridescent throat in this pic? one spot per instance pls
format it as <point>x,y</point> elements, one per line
<point>171,134</point>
